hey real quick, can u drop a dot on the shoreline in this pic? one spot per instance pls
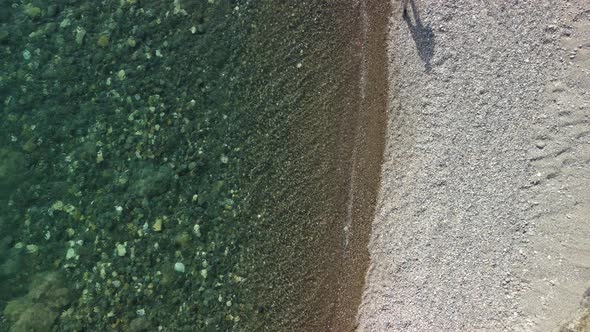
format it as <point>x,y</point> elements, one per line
<point>314,278</point>
<point>332,169</point>
<point>367,146</point>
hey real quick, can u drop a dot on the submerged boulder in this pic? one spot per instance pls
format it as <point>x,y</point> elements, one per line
<point>152,181</point>
<point>38,309</point>
<point>12,170</point>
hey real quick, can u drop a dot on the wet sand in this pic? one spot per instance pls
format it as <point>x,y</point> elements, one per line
<point>367,143</point>
<point>313,256</point>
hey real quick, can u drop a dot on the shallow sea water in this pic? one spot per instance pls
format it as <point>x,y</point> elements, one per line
<point>169,165</point>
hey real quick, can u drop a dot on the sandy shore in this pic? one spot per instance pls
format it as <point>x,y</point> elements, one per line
<point>483,218</point>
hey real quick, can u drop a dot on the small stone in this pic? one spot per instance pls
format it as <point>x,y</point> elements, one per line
<point>71,253</point>
<point>57,206</point>
<point>65,23</point>
<point>179,267</point>
<point>103,41</point>
<point>197,230</point>
<point>32,248</point>
<point>121,75</point>
<point>116,283</point>
<point>131,42</point>
<point>204,273</point>
<point>32,12</point>
<point>26,55</point>
<point>121,249</point>
<point>540,144</point>
<point>99,157</point>
<point>157,227</point>
<point>80,34</point>
<point>30,146</point>
<point>559,87</point>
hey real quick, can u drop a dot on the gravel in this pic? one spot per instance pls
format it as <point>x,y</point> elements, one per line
<point>457,223</point>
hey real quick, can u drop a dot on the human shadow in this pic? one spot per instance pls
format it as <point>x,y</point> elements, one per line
<point>423,35</point>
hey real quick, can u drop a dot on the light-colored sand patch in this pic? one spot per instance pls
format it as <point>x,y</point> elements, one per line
<point>483,217</point>
<point>558,265</point>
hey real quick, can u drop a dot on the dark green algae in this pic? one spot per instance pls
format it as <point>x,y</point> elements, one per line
<point>193,132</point>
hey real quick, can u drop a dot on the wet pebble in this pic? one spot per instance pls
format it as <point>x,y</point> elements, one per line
<point>179,267</point>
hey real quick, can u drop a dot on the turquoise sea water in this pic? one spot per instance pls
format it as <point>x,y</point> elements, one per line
<point>157,170</point>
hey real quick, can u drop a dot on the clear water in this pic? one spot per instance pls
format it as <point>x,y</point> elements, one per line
<point>148,175</point>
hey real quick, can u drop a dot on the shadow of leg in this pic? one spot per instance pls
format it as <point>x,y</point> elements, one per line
<point>423,35</point>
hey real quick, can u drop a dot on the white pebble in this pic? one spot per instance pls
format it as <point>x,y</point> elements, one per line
<point>71,253</point>
<point>121,75</point>
<point>179,267</point>
<point>32,248</point>
<point>121,250</point>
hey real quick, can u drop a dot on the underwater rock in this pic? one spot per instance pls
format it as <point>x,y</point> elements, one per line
<point>30,146</point>
<point>103,41</point>
<point>5,244</point>
<point>32,12</point>
<point>15,308</point>
<point>9,268</point>
<point>152,181</point>
<point>4,35</point>
<point>38,310</point>
<point>140,324</point>
<point>12,168</point>
<point>49,289</point>
<point>179,267</point>
<point>52,10</point>
<point>80,34</point>
<point>36,318</point>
